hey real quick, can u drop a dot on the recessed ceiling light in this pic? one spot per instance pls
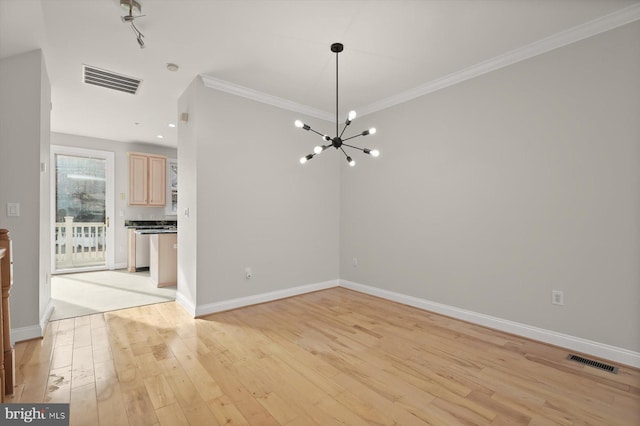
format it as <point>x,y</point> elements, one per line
<point>172,125</point>
<point>172,67</point>
<point>160,136</point>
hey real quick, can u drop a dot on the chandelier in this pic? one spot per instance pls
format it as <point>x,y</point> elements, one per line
<point>337,142</point>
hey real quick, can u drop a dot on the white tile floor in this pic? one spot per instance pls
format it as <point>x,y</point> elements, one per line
<point>87,293</point>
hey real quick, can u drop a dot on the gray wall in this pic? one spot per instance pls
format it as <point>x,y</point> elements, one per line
<point>493,192</point>
<point>257,206</point>
<point>188,198</point>
<point>122,209</point>
<point>24,144</point>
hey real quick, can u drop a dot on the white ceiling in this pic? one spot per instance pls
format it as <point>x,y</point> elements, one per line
<point>280,48</point>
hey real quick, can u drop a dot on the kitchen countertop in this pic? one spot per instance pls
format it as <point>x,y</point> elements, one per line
<point>156,231</point>
<point>150,224</point>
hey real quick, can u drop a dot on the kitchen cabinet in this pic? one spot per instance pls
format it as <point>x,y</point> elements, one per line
<point>138,234</point>
<point>147,180</point>
<point>163,259</point>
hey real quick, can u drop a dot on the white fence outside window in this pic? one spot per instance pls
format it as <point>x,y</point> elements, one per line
<point>79,244</point>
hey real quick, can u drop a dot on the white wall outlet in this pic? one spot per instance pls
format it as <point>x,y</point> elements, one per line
<point>13,209</point>
<point>557,297</point>
<point>247,273</point>
<point>354,262</point>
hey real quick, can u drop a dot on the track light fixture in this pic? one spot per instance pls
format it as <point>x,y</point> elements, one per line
<point>132,6</point>
<point>139,35</point>
<point>337,142</point>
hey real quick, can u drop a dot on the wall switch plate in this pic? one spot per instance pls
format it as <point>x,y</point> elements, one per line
<point>248,274</point>
<point>557,297</point>
<point>354,262</point>
<point>13,209</point>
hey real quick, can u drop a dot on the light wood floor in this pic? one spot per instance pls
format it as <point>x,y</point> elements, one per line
<point>330,357</point>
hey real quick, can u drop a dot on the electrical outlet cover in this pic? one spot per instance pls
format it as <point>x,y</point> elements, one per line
<point>557,297</point>
<point>13,209</point>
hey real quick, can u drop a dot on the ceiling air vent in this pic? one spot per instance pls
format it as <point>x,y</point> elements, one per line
<point>593,363</point>
<point>110,80</point>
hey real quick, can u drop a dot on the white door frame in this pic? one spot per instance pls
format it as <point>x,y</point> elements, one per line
<point>109,157</point>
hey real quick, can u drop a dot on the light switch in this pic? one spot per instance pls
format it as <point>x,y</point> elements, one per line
<point>13,209</point>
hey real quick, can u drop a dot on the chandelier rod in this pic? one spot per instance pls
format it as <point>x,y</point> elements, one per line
<point>337,53</point>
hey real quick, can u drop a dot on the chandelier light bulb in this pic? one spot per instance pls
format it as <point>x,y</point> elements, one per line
<point>318,149</point>
<point>351,162</point>
<point>299,124</point>
<point>352,115</point>
<point>375,153</point>
<point>326,138</point>
<point>372,131</point>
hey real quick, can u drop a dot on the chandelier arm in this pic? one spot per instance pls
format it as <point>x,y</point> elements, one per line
<point>354,147</point>
<point>355,136</point>
<point>345,128</point>
<point>317,133</point>
<point>344,152</point>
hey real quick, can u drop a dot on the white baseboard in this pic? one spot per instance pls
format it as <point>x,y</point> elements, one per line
<point>601,350</point>
<point>45,317</point>
<point>185,303</point>
<point>33,331</point>
<point>25,333</point>
<point>263,297</point>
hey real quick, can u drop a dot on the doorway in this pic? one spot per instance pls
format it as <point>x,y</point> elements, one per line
<point>82,201</point>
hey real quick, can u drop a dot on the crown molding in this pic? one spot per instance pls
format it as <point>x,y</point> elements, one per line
<point>246,92</point>
<point>589,29</point>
